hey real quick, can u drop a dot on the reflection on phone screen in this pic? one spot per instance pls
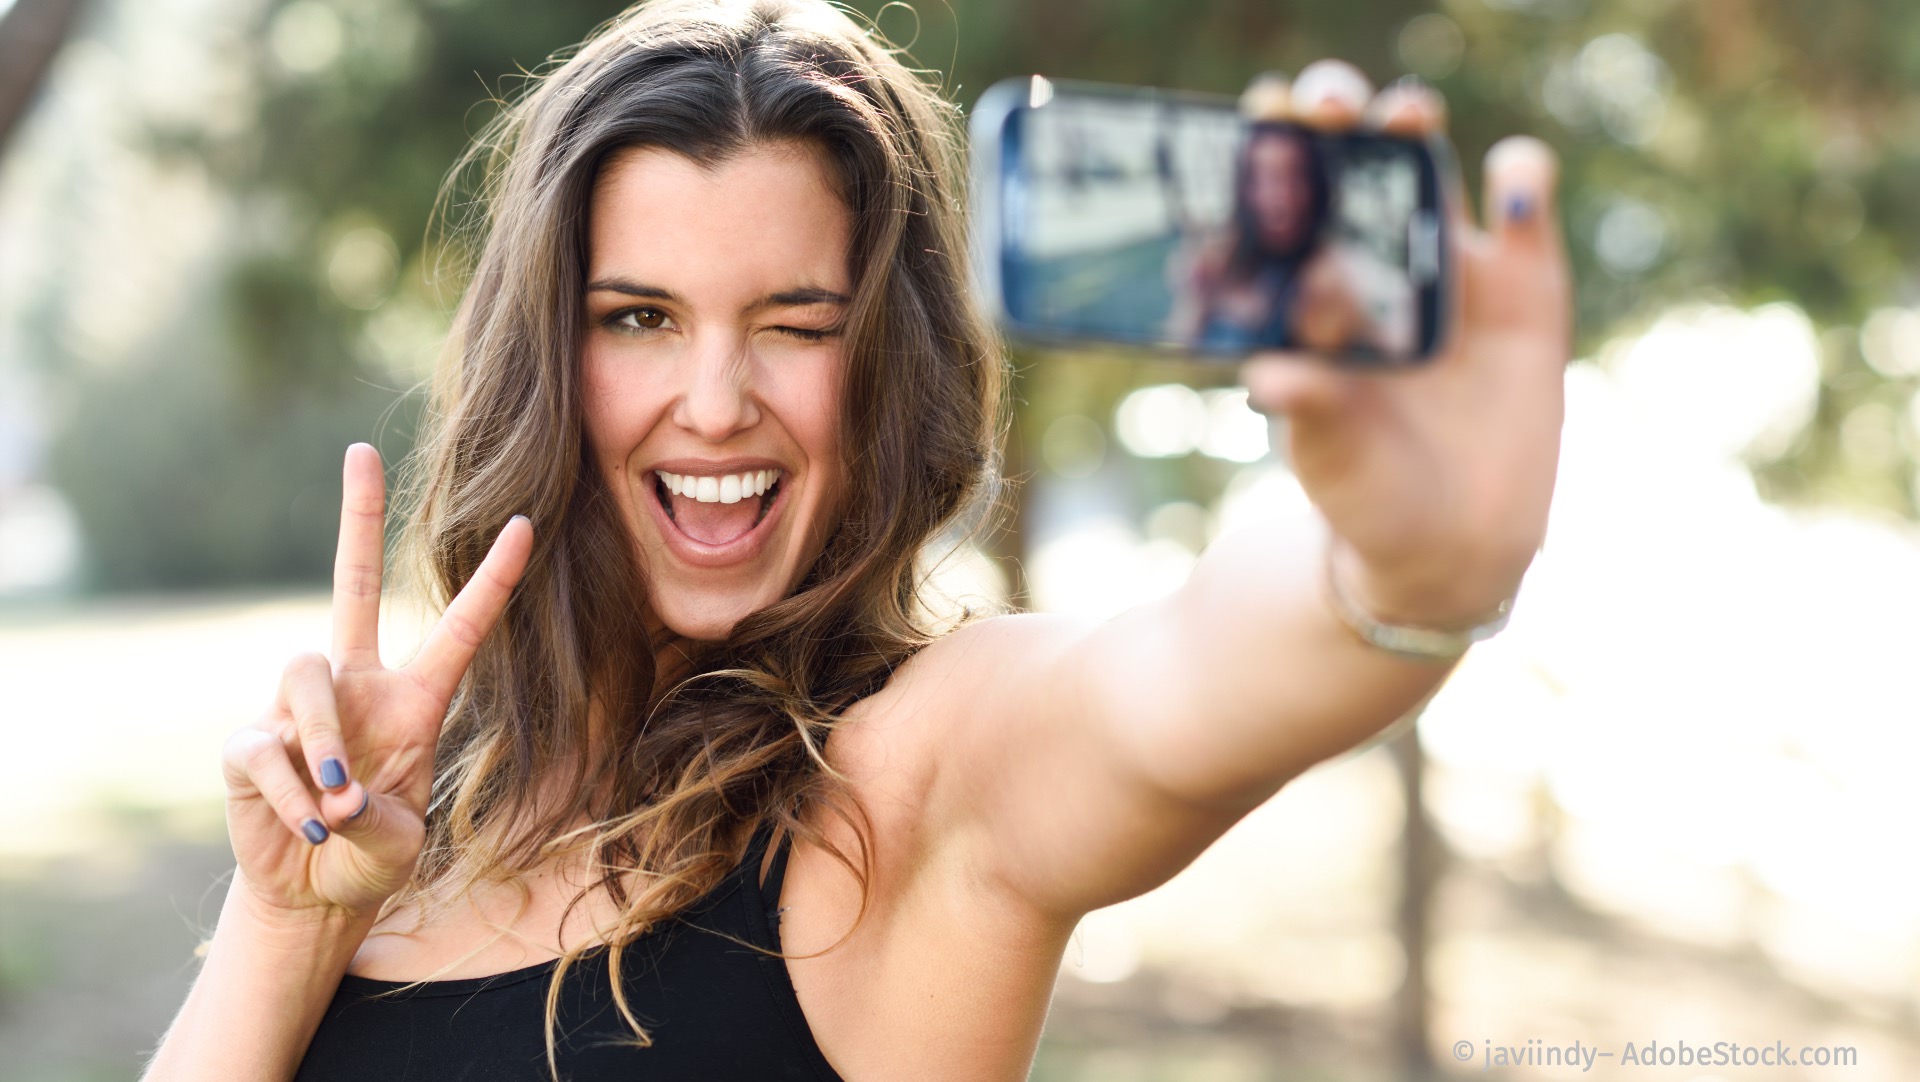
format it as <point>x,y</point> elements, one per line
<point>1180,225</point>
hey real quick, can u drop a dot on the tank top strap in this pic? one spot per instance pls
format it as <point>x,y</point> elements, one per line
<point>776,872</point>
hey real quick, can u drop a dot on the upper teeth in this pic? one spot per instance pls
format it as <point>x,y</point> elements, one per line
<point>731,488</point>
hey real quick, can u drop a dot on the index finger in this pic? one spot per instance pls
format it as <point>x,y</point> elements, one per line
<point>358,561</point>
<point>470,618</point>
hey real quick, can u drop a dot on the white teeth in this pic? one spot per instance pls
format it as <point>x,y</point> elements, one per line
<point>729,489</point>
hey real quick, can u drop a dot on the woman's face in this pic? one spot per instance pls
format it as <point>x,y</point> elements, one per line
<point>712,368</point>
<point>1279,192</point>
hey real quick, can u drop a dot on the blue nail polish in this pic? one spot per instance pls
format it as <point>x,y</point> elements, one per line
<point>332,774</point>
<point>1519,208</point>
<point>315,830</point>
<point>366,796</point>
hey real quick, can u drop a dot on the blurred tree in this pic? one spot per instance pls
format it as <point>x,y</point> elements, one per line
<point>212,456</point>
<point>1727,149</point>
<point>31,33</point>
<point>188,479</point>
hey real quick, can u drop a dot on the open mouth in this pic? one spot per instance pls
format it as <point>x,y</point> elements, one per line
<point>717,510</point>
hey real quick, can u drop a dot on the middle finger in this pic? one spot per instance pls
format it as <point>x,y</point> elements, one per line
<point>1330,94</point>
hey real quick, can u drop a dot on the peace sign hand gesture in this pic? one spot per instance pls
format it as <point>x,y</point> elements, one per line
<point>327,792</point>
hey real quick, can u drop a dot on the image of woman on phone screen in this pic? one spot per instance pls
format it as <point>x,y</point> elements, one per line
<point>685,782</point>
<point>1281,272</point>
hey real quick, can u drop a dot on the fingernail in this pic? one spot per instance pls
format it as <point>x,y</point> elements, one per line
<point>521,518</point>
<point>365,797</point>
<point>332,774</point>
<point>315,830</point>
<point>1519,208</point>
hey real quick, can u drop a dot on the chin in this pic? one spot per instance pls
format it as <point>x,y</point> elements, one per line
<point>705,618</point>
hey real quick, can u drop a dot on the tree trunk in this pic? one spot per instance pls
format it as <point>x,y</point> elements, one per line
<point>1420,865</point>
<point>31,33</point>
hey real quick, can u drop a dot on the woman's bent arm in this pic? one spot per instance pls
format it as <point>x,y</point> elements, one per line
<point>260,994</point>
<point>319,851</point>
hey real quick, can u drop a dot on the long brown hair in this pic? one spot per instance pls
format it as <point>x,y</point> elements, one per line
<point>559,722</point>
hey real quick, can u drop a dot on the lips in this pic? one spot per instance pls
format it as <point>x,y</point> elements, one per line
<point>713,532</point>
<point>717,511</point>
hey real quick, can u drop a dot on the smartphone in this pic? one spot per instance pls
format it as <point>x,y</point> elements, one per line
<point>1165,220</point>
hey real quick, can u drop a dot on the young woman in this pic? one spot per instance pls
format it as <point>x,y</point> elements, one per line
<point>718,350</point>
<point>1276,273</point>
<point>1242,288</point>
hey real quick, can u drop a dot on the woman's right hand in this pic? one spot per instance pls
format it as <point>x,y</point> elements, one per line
<point>327,793</point>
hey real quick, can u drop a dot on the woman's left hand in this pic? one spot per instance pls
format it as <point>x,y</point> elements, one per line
<point>1435,480</point>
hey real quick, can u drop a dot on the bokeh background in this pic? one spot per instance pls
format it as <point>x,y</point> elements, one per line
<point>1675,802</point>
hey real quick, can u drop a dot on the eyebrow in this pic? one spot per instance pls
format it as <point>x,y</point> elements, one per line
<point>786,298</point>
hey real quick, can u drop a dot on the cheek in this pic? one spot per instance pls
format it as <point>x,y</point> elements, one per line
<point>823,436</point>
<point>822,427</point>
<point>807,400</point>
<point>808,403</point>
<point>613,411</point>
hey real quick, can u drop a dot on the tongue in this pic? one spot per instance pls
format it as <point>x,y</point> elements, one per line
<point>715,523</point>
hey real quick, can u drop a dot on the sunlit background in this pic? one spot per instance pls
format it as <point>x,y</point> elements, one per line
<point>1673,802</point>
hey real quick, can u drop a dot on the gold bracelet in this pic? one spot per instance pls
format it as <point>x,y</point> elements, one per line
<point>1413,643</point>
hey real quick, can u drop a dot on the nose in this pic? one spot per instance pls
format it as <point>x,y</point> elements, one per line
<point>717,399</point>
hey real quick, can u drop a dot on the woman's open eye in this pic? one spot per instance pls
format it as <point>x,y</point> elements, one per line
<point>638,320</point>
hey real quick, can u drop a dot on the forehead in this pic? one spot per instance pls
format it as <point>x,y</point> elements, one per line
<point>763,219</point>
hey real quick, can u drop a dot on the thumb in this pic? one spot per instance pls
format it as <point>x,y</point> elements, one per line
<point>358,815</point>
<point>1525,259</point>
<point>389,837</point>
<point>1520,175</point>
<point>1295,384</point>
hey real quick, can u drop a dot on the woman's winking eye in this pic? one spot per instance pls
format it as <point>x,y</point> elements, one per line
<point>809,334</point>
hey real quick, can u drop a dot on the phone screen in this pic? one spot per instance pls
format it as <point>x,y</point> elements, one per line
<point>1142,218</point>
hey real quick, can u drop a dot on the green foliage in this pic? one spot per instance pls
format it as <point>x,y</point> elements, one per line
<point>183,477</point>
<point>1744,150</point>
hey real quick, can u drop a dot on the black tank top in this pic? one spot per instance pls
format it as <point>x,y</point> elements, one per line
<point>716,1010</point>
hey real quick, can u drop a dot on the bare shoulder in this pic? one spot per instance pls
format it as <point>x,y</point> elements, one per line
<point>933,953</point>
<point>904,748</point>
<point>936,696</point>
<point>979,650</point>
<point>917,750</point>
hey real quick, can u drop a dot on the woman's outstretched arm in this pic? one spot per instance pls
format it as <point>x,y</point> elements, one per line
<point>1089,762</point>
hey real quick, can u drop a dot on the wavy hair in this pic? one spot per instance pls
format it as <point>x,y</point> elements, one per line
<point>1249,252</point>
<point>559,746</point>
